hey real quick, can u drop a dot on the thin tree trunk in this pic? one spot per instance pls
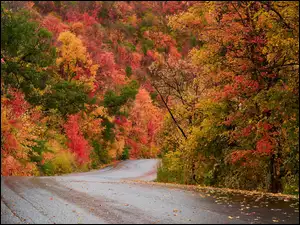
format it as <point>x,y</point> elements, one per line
<point>276,185</point>
<point>169,110</point>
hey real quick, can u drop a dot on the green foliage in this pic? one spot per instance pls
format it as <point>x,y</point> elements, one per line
<point>130,46</point>
<point>128,71</point>
<point>108,132</point>
<point>36,153</point>
<point>153,95</point>
<point>194,42</point>
<point>103,13</point>
<point>290,184</point>
<point>162,49</point>
<point>125,153</point>
<point>209,178</point>
<point>66,97</point>
<point>147,20</point>
<point>113,102</point>
<point>99,155</point>
<point>171,169</point>
<point>147,44</point>
<point>27,52</point>
<point>47,168</point>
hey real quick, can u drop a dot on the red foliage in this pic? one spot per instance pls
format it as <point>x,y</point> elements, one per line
<point>88,20</point>
<point>173,7</point>
<point>10,142</point>
<point>240,86</point>
<point>134,150</point>
<point>228,121</point>
<point>135,61</point>
<point>123,55</point>
<point>18,103</point>
<point>77,143</point>
<point>147,85</point>
<point>106,61</point>
<point>120,120</point>
<point>239,155</point>
<point>72,16</point>
<point>54,25</point>
<point>264,145</point>
<point>151,54</point>
<point>247,131</point>
<point>174,52</point>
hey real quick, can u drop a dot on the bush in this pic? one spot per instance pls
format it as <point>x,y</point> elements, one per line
<point>171,169</point>
<point>63,162</point>
<point>290,184</point>
<point>125,153</point>
<point>128,71</point>
<point>47,169</point>
<point>99,155</point>
<point>146,45</point>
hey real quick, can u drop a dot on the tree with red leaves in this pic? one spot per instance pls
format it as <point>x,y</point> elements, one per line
<point>77,142</point>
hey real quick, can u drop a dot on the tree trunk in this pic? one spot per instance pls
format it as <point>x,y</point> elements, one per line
<point>276,185</point>
<point>169,110</point>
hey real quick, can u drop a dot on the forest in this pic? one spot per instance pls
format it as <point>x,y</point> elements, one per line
<point>210,87</point>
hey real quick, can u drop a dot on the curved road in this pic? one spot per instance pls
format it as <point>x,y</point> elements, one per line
<point>110,196</point>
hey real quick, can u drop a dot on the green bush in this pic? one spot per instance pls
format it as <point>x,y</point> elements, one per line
<point>63,162</point>
<point>47,168</point>
<point>99,155</point>
<point>171,169</point>
<point>146,45</point>
<point>108,133</point>
<point>128,71</point>
<point>36,155</point>
<point>125,153</point>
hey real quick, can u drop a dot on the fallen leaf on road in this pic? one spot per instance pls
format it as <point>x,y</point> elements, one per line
<point>276,221</point>
<point>175,210</point>
<point>230,217</point>
<point>51,198</point>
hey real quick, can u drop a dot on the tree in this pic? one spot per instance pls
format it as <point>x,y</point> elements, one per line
<point>27,52</point>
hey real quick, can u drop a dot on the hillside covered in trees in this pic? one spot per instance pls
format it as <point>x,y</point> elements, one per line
<point>210,87</point>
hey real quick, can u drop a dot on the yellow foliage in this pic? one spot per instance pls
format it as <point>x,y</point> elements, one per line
<point>100,111</point>
<point>72,51</point>
<point>63,162</point>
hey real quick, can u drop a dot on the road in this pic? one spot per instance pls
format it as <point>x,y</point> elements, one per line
<point>110,196</point>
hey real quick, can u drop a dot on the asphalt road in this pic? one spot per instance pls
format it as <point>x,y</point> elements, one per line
<point>110,196</point>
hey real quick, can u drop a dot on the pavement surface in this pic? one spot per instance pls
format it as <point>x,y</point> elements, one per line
<point>111,196</point>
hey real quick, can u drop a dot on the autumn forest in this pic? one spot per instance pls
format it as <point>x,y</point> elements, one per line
<point>209,87</point>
